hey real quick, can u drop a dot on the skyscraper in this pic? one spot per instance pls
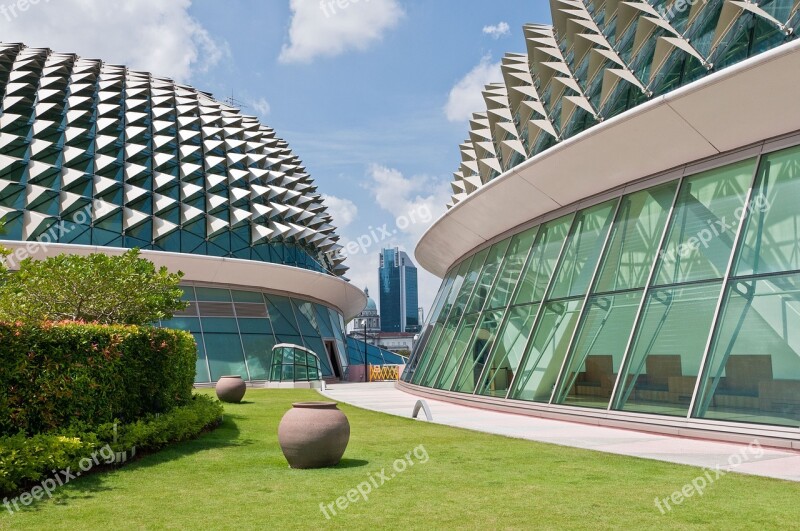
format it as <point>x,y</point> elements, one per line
<point>399,296</point>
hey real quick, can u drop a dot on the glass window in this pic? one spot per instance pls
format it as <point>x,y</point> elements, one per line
<point>668,348</point>
<point>213,295</point>
<point>190,324</point>
<point>188,293</point>
<point>255,326</point>
<point>477,352</point>
<point>704,225</point>
<point>428,348</point>
<point>323,320</point>
<point>583,250</point>
<point>598,350</point>
<point>247,296</point>
<point>457,349</point>
<point>467,288</point>
<point>634,239</point>
<point>438,353</point>
<point>487,276</point>
<point>282,316</point>
<point>508,351</point>
<point>515,259</point>
<point>225,356</point>
<point>201,367</point>
<point>753,372</point>
<point>315,345</point>
<point>220,324</point>
<point>304,312</point>
<point>542,261</point>
<point>454,291</point>
<point>257,349</point>
<point>441,296</point>
<point>773,226</point>
<point>546,352</point>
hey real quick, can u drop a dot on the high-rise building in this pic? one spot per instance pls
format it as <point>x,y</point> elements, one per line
<point>399,293</point>
<point>621,244</point>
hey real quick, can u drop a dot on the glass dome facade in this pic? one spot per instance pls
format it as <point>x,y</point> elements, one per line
<point>293,363</point>
<point>98,154</point>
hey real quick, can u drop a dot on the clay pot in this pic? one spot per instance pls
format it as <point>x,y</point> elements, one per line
<point>231,389</point>
<point>313,434</point>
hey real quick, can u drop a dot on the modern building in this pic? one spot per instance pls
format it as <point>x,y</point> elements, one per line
<point>399,295</point>
<point>96,157</point>
<point>621,245</point>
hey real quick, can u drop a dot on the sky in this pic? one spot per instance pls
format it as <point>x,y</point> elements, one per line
<point>373,95</point>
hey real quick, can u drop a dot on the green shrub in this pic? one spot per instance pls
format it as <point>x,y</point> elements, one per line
<point>54,375</point>
<point>125,289</point>
<point>24,460</point>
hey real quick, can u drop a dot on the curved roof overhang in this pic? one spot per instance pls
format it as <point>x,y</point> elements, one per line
<point>738,106</point>
<point>293,281</point>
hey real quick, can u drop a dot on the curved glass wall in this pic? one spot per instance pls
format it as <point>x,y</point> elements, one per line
<point>682,299</point>
<point>236,331</point>
<point>293,363</point>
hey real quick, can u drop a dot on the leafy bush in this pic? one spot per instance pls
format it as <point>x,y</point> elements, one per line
<point>54,375</point>
<point>24,460</point>
<point>124,289</point>
<point>4,252</point>
<point>29,458</point>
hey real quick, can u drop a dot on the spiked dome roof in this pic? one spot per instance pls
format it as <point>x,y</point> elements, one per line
<point>151,163</point>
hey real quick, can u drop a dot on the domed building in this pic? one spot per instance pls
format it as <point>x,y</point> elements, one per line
<point>96,157</point>
<point>368,319</point>
<point>621,244</point>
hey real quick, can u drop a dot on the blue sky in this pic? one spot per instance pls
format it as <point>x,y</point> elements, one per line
<point>373,96</point>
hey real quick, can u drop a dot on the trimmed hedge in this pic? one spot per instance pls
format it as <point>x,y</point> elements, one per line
<point>55,375</point>
<point>24,460</point>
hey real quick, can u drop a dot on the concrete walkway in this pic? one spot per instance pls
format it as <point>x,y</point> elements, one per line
<point>386,398</point>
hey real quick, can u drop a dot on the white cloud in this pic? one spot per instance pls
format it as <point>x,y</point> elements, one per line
<point>465,97</point>
<point>343,211</point>
<point>261,106</point>
<point>152,35</point>
<point>415,202</point>
<point>327,28</point>
<point>498,30</point>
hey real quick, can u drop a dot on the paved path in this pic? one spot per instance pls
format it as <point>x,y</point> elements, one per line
<point>386,398</point>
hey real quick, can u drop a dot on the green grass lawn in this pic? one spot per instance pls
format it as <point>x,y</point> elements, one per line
<point>237,478</point>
